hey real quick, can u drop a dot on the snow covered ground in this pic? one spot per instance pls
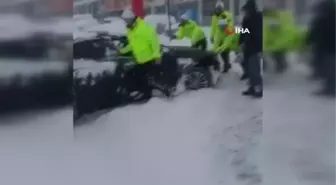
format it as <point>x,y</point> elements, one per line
<point>206,137</point>
<point>203,137</point>
<point>210,137</point>
<point>36,147</point>
<point>298,141</point>
<point>213,137</point>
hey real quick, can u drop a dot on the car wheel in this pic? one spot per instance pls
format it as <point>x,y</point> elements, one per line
<point>197,78</point>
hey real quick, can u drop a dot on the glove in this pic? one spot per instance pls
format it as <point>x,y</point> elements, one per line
<point>173,37</point>
<point>157,61</point>
<point>218,50</point>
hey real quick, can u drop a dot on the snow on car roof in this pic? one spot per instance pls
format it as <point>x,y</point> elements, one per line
<point>12,67</point>
<point>84,23</point>
<point>116,27</point>
<point>112,19</point>
<point>78,17</point>
<point>59,26</point>
<point>15,26</point>
<point>63,26</point>
<point>83,67</point>
<point>82,35</point>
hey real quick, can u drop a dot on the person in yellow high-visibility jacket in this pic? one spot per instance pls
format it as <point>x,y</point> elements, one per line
<point>219,14</point>
<point>191,30</point>
<point>142,37</point>
<point>279,35</point>
<point>145,47</point>
<point>224,43</point>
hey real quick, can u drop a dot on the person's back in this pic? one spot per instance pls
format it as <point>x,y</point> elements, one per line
<point>325,26</point>
<point>144,42</point>
<point>143,39</point>
<point>253,21</point>
<point>191,30</point>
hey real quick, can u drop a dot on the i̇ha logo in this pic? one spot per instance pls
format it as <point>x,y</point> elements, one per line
<point>236,29</point>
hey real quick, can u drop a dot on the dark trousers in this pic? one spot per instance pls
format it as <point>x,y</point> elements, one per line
<point>329,72</point>
<point>201,44</point>
<point>226,58</point>
<point>137,78</point>
<point>169,67</point>
<point>318,62</point>
<point>244,65</point>
<point>254,70</point>
<point>280,61</point>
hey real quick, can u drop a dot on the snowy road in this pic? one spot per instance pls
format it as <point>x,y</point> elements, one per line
<point>205,137</point>
<point>298,141</point>
<point>36,148</point>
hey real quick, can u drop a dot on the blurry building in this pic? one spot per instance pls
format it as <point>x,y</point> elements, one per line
<point>86,6</point>
<point>200,9</point>
<point>38,8</point>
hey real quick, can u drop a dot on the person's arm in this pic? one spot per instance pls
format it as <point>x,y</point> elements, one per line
<point>228,42</point>
<point>213,28</point>
<point>128,47</point>
<point>179,33</point>
<point>259,34</point>
<point>242,36</point>
<point>125,49</point>
<point>154,42</point>
<point>217,41</point>
<point>197,35</point>
<point>229,17</point>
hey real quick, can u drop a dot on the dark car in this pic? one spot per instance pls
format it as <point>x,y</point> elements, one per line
<point>107,89</point>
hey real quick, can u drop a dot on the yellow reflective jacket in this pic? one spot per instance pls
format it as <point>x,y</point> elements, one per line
<point>224,42</point>
<point>190,30</point>
<point>279,31</point>
<point>143,42</point>
<point>227,16</point>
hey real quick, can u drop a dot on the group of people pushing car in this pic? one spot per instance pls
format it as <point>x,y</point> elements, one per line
<point>265,30</point>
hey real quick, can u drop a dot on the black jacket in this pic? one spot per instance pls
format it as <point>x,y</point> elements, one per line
<point>322,29</point>
<point>253,21</point>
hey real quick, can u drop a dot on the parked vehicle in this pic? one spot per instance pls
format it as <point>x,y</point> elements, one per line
<point>107,89</point>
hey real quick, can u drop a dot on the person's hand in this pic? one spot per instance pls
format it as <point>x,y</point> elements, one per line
<point>172,37</point>
<point>218,50</point>
<point>212,40</point>
<point>157,61</point>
